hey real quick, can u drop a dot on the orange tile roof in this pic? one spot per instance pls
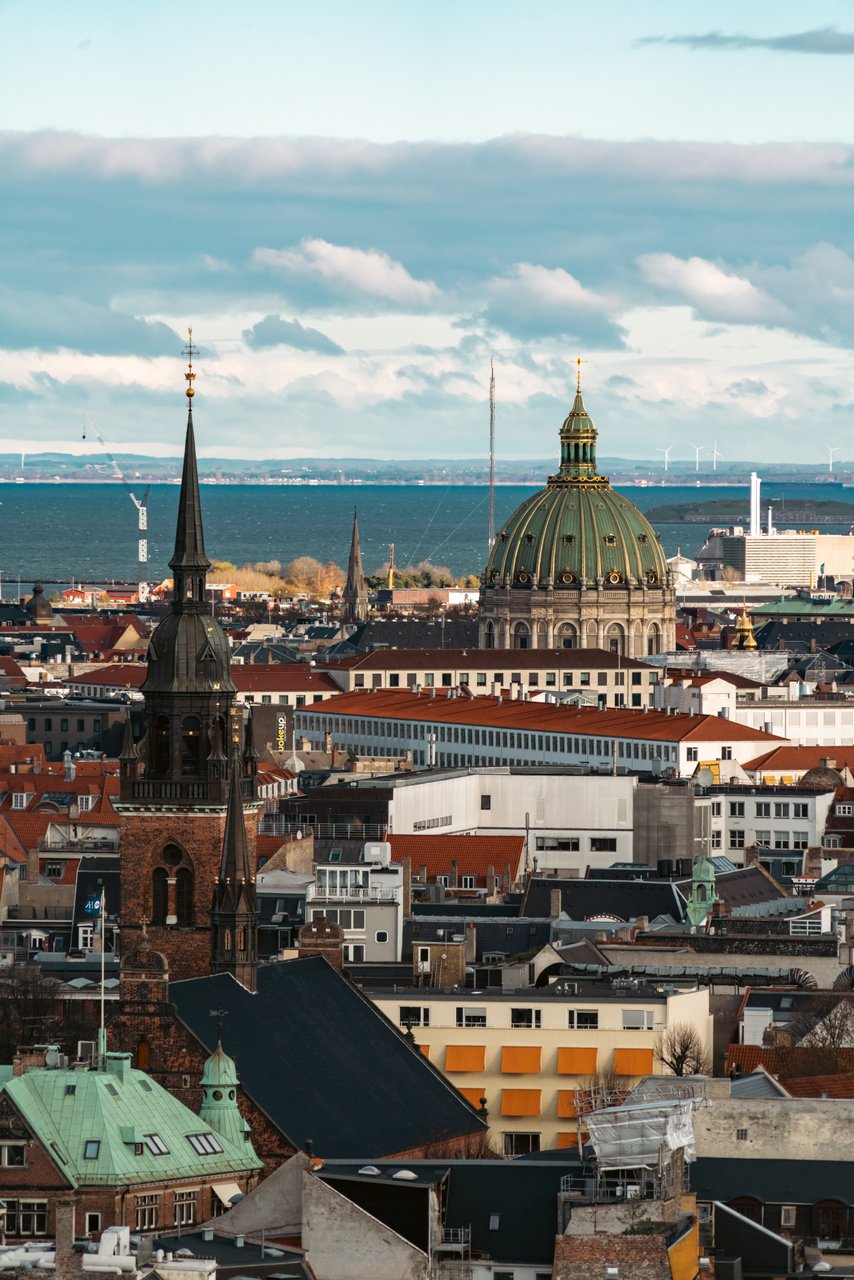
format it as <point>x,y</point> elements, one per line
<point>795,759</point>
<point>262,677</point>
<point>69,871</point>
<point>405,704</point>
<point>834,1086</point>
<point>751,1056</point>
<point>472,854</point>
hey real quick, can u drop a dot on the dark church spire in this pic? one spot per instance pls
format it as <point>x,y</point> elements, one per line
<point>355,597</point>
<point>234,909</point>
<point>189,563</point>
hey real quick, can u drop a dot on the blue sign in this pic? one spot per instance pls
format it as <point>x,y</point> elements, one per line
<point>92,906</point>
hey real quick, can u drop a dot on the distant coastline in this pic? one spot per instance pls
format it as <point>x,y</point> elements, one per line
<point>800,513</point>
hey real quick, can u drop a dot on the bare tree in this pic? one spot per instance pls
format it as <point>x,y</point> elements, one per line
<point>30,1011</point>
<point>824,1022</point>
<point>683,1051</point>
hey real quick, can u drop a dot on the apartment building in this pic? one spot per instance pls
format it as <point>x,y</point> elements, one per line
<point>536,1055</point>
<point>365,898</point>
<point>782,821</point>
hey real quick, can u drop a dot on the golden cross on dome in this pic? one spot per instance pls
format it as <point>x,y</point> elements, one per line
<point>578,363</point>
<point>189,351</point>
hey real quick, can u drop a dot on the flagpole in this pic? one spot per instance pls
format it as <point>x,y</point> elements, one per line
<point>102,1031</point>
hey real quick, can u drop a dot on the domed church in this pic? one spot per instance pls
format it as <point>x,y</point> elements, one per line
<point>577,565</point>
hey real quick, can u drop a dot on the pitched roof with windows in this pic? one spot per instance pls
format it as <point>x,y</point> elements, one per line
<point>274,677</point>
<point>490,660</point>
<point>474,855</point>
<point>118,1127</point>
<point>510,713</point>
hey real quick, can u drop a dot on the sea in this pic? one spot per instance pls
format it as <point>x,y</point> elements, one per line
<point>63,533</point>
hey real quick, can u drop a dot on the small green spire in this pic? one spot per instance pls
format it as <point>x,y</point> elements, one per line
<point>219,1106</point>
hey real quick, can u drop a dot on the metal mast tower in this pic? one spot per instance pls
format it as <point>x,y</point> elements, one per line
<point>491,453</point>
<point>141,505</point>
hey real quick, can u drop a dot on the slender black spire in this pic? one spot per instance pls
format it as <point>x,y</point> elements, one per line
<point>355,595</point>
<point>189,563</point>
<point>234,867</point>
<point>234,909</point>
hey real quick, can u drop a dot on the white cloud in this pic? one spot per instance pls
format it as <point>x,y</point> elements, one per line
<point>362,271</point>
<point>714,293</point>
<point>533,300</point>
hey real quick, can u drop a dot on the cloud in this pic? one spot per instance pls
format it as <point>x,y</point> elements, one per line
<point>714,293</point>
<point>52,322</point>
<point>274,331</point>
<point>535,300</point>
<point>343,269</point>
<point>821,40</point>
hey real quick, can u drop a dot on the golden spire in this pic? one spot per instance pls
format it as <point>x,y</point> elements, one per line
<point>578,364</point>
<point>189,351</point>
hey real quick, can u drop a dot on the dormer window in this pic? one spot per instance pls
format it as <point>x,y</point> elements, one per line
<point>85,803</point>
<point>610,540</point>
<point>20,799</point>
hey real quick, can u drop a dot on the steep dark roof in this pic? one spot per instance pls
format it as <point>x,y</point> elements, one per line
<point>509,935</point>
<point>342,1074</point>
<point>778,1181</point>
<point>626,899</point>
<point>743,887</point>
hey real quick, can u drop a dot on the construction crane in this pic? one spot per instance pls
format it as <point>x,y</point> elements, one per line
<point>141,505</point>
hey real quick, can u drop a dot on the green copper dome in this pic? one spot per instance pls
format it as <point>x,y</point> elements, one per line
<point>577,532</point>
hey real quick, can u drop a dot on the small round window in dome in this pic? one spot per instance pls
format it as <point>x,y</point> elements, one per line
<point>217,1095</point>
<point>610,540</point>
<point>529,537</point>
<point>521,576</point>
<point>567,578</point>
<point>642,538</point>
<point>652,578</point>
<point>614,578</point>
<point>495,575</point>
<point>569,539</point>
<point>231,1095</point>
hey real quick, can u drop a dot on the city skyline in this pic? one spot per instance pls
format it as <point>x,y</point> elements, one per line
<point>667,194</point>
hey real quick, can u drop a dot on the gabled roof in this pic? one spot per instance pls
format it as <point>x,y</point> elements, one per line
<point>746,886</point>
<point>116,1108</point>
<point>353,1085</point>
<point>474,855</point>
<point>623,899</point>
<point>491,660</point>
<point>791,759</point>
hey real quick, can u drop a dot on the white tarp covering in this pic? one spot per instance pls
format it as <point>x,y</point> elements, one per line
<point>643,1135</point>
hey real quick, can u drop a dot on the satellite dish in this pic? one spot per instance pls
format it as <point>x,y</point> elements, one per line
<point>51,1058</point>
<point>704,778</point>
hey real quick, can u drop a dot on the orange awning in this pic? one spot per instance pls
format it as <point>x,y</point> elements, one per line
<point>465,1057</point>
<point>472,1094</point>
<point>633,1062</point>
<point>566,1107</point>
<point>520,1102</point>
<point>425,1049</point>
<point>576,1062</point>
<point>565,1140</point>
<point>521,1060</point>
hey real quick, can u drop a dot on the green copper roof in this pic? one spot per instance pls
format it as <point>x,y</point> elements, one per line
<point>577,531</point>
<point>219,1097</point>
<point>794,606</point>
<point>106,1114</point>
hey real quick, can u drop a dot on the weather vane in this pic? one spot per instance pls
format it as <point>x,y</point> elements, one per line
<point>189,351</point>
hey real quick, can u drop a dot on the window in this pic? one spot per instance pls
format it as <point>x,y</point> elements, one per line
<point>53,870</point>
<point>584,680</point>
<point>716,808</point>
<point>26,1218</point>
<point>726,753</point>
<point>563,844</point>
<point>763,837</point>
<point>155,1144</point>
<point>525,1017</point>
<point>381,935</point>
<point>85,803</point>
<point>736,839</point>
<point>13,1155</point>
<point>205,1144</point>
<point>486,802</point>
<point>93,1224</point>
<point>159,895</point>
<point>638,1019</point>
<point>582,1019</point>
<point>521,1144</point>
<point>92,1149</point>
<point>185,1208</point>
<point>781,810</point>
<point>692,753</point>
<point>800,811</point>
<point>413,1015</point>
<point>468,1016</point>
<point>468,882</point>
<point>603,844</point>
<point>63,725</point>
<point>736,808</point>
<point>184,895</point>
<point>19,799</point>
<point>741,1135</point>
<point>147,1208</point>
<point>800,839</point>
<point>763,809</point>
<point>781,839</point>
<point>716,840</point>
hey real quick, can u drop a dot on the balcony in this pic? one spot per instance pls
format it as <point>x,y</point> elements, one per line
<point>355,895</point>
<point>87,844</point>
<point>278,826</point>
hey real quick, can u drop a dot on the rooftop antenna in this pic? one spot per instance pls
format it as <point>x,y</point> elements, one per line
<point>666,453</point>
<point>491,453</point>
<point>715,456</point>
<point>831,450</point>
<point>698,449</point>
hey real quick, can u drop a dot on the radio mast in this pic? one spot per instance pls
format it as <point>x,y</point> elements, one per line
<point>491,453</point>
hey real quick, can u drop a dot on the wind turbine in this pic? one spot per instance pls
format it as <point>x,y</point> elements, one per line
<point>698,449</point>
<point>831,450</point>
<point>666,453</point>
<point>715,456</point>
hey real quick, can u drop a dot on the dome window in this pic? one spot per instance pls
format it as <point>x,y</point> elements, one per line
<point>529,537</point>
<point>569,539</point>
<point>614,578</point>
<point>567,577</point>
<point>610,540</point>
<point>502,537</point>
<point>652,578</point>
<point>642,538</point>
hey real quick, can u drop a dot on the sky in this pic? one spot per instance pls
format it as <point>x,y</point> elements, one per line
<point>357,206</point>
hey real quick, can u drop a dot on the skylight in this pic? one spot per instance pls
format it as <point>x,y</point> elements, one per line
<point>155,1144</point>
<point>206,1144</point>
<point>92,1149</point>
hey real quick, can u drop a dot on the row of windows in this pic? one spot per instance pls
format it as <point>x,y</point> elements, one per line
<point>572,844</point>
<point>781,808</point>
<point>576,1019</point>
<point>283,699</point>
<point>770,839</point>
<point>539,679</point>
<point>47,724</point>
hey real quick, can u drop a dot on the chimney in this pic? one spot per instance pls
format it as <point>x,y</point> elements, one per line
<point>422,873</point>
<point>555,903</point>
<point>455,879</point>
<point>490,881</point>
<point>68,1265</point>
<point>407,887</point>
<point>471,942</point>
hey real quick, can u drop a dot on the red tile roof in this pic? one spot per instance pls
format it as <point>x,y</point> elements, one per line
<point>11,671</point>
<point>488,659</point>
<point>262,677</point>
<point>69,871</point>
<point>472,854</point>
<point>835,1086</point>
<point>751,1056</point>
<point>799,759</point>
<point>405,704</point>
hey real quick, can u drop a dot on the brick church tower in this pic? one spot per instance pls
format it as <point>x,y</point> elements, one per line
<point>175,783</point>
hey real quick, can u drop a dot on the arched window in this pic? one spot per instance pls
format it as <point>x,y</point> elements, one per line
<point>162,760</point>
<point>615,638</point>
<point>159,896</point>
<point>830,1220</point>
<point>521,636</point>
<point>567,636</point>
<point>227,942</point>
<point>184,895</point>
<point>653,640</point>
<point>191,746</point>
<point>143,1056</point>
<point>241,939</point>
